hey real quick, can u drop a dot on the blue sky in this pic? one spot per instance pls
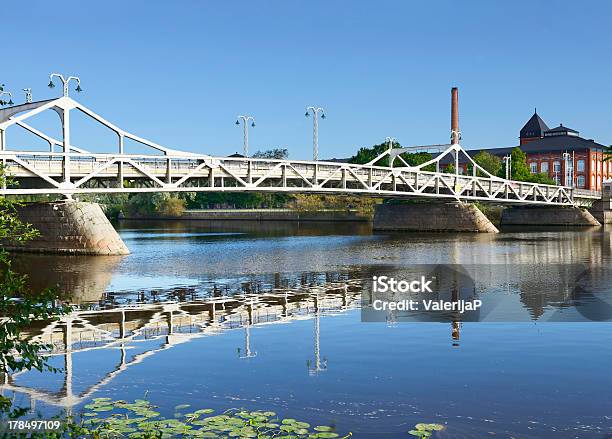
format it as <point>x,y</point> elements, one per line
<point>179,72</point>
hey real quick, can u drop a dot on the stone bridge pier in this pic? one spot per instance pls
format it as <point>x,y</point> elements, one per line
<point>70,227</point>
<point>548,216</point>
<point>466,217</point>
<point>432,217</point>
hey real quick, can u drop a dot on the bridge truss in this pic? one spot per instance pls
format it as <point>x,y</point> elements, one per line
<point>75,170</point>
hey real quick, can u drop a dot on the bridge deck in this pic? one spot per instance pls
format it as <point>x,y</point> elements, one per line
<point>40,172</point>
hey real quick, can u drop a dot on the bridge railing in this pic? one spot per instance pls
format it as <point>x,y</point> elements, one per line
<point>93,173</point>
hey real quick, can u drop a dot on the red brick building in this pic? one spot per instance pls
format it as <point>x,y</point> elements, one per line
<point>581,166</point>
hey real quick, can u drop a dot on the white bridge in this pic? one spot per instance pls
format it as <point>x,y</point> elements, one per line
<point>73,170</point>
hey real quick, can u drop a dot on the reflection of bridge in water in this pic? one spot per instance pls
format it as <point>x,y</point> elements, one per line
<point>174,323</point>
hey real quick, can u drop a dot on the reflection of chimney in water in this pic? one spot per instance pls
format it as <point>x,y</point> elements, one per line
<point>456,332</point>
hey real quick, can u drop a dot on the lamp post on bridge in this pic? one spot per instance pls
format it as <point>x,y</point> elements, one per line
<point>390,141</point>
<point>28,95</point>
<point>66,122</point>
<point>508,166</point>
<point>9,94</point>
<point>65,82</point>
<point>315,128</point>
<point>245,123</point>
<point>569,169</point>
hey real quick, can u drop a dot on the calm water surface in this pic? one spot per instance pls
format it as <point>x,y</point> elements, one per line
<point>286,334</point>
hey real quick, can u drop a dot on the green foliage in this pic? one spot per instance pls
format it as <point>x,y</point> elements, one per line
<point>275,153</point>
<point>365,155</point>
<point>155,203</point>
<point>248,200</point>
<point>418,158</point>
<point>20,308</point>
<point>518,168</point>
<point>489,162</point>
<point>139,419</point>
<point>111,204</point>
<point>541,179</point>
<point>450,169</point>
<point>314,202</point>
<point>425,430</point>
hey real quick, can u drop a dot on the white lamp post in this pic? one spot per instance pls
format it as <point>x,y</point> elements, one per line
<point>315,129</point>
<point>28,95</point>
<point>508,166</point>
<point>65,82</point>
<point>245,123</point>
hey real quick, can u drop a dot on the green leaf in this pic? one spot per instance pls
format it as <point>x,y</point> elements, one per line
<point>323,428</point>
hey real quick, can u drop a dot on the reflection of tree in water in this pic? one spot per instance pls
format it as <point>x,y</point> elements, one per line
<point>545,286</point>
<point>592,294</point>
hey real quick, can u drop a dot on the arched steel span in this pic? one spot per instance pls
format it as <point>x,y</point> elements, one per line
<point>74,170</point>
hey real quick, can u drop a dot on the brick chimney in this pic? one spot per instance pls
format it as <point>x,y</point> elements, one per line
<point>454,115</point>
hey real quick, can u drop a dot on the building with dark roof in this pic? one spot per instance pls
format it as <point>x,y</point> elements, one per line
<point>533,129</point>
<point>583,166</point>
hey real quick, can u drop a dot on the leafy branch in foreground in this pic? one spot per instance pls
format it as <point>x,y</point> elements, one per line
<point>19,307</point>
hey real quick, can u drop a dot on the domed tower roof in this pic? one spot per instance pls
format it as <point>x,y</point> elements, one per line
<point>535,127</point>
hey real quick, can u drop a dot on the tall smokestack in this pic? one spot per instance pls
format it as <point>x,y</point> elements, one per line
<point>454,115</point>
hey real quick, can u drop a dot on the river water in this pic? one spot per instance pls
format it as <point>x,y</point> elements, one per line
<point>267,316</point>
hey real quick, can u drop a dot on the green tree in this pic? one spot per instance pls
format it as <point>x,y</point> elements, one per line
<point>365,155</point>
<point>519,171</point>
<point>275,153</point>
<point>489,162</point>
<point>542,178</point>
<point>156,203</point>
<point>450,169</point>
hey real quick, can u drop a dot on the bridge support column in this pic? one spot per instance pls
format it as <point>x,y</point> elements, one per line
<point>432,217</point>
<point>602,210</point>
<point>70,227</point>
<point>548,216</point>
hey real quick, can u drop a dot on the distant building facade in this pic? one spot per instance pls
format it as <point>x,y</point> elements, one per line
<point>561,154</point>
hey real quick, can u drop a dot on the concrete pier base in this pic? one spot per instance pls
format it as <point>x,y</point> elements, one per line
<point>602,211</point>
<point>548,216</point>
<point>70,227</point>
<point>432,217</point>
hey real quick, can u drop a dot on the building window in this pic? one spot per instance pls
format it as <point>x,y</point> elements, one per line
<point>580,166</point>
<point>533,166</point>
<point>581,181</point>
<point>557,180</point>
<point>592,181</point>
<point>544,167</point>
<point>557,166</point>
<point>593,168</point>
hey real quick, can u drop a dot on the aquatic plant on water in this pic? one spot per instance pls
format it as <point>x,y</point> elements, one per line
<point>425,430</point>
<point>139,419</point>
